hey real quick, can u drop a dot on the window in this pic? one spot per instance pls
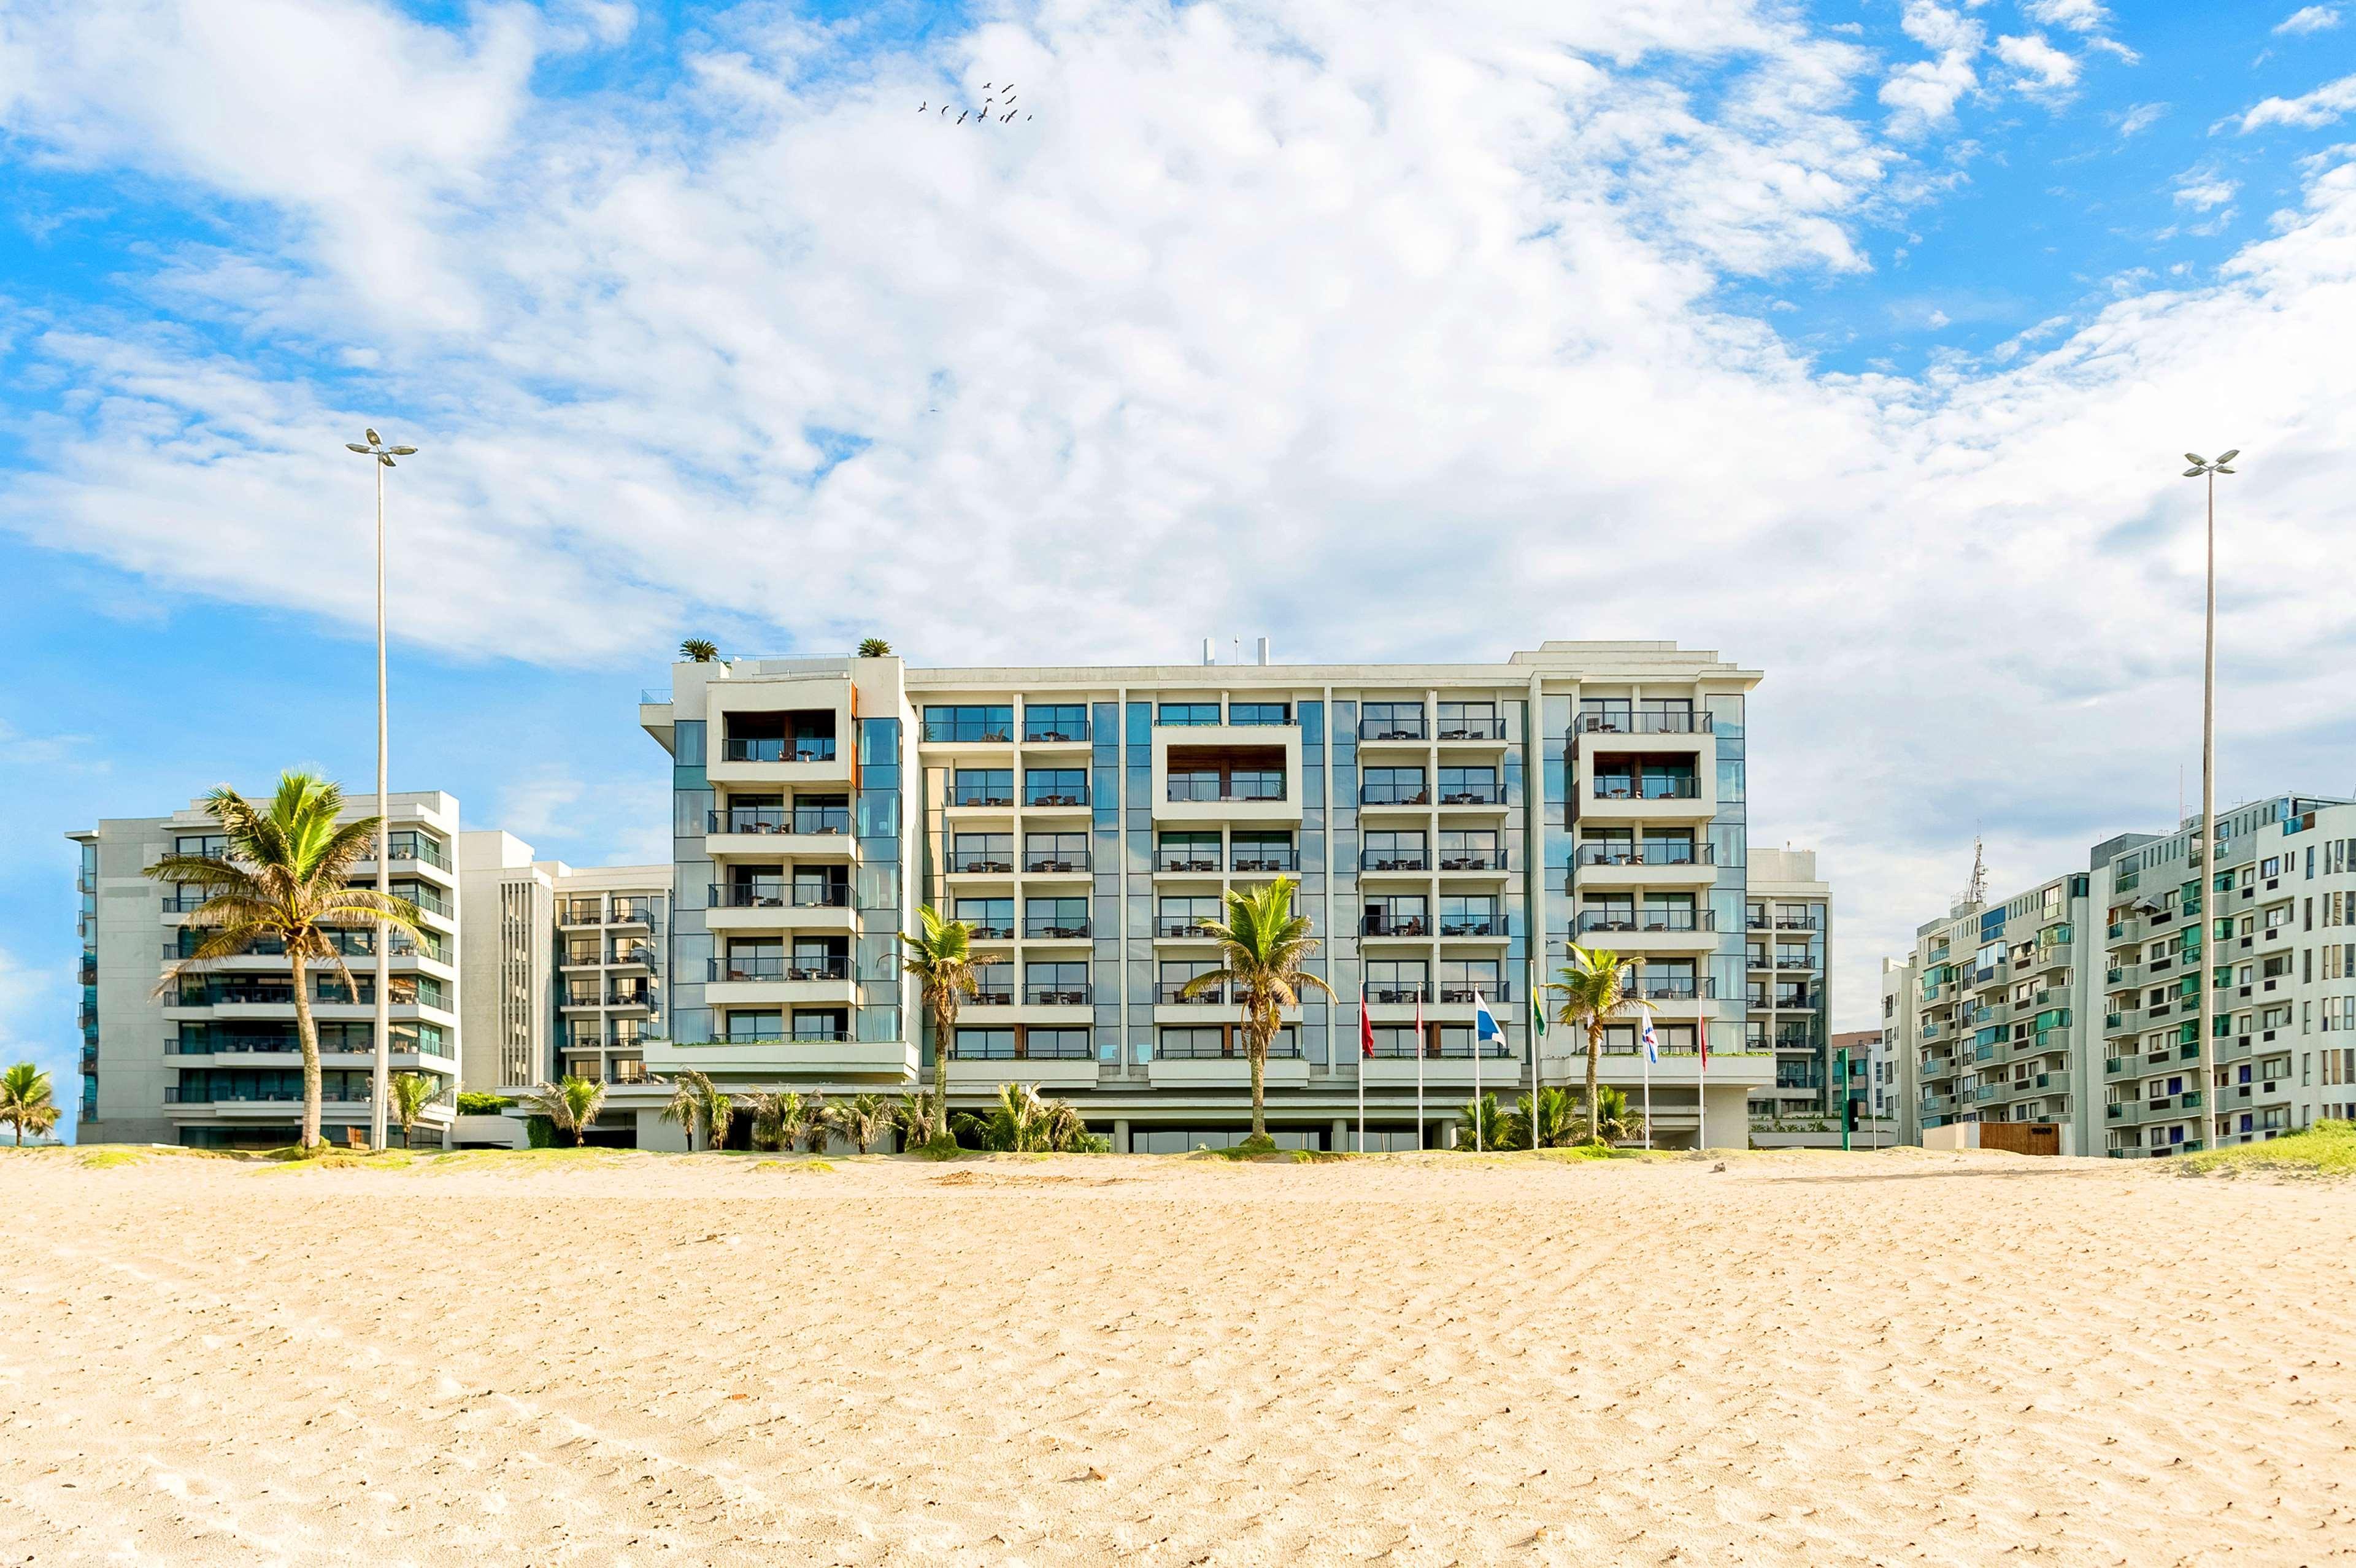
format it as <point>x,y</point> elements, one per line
<point>1055,917</point>
<point>1386,850</point>
<point>1058,984</point>
<point>1470,915</point>
<point>828,1024</point>
<point>983,786</point>
<point>1056,1044</point>
<point>1188,713</point>
<point>1391,721</point>
<point>970,722</point>
<point>1395,979</point>
<point>984,1044</point>
<point>1055,852</point>
<point>1470,722</point>
<point>1393,786</point>
<point>983,852</point>
<point>1191,1044</point>
<point>1172,977</point>
<point>213,846</point>
<point>1470,786</point>
<point>1054,721</point>
<point>1401,916</point>
<point>1189,916</point>
<point>1666,715</point>
<point>1262,852</point>
<point>1470,850</point>
<point>1606,715</point>
<point>1187,852</point>
<point>1461,978</point>
<point>1056,786</point>
<point>820,814</point>
<point>745,1027</point>
<point>1259,713</point>
<point>993,919</point>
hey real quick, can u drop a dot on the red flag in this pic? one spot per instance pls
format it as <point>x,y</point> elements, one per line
<point>1419,1045</point>
<point>1366,1024</point>
<point>1701,1039</point>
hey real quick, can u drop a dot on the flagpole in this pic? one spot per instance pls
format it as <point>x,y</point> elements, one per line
<point>1701,1095</point>
<point>1648,1100</point>
<point>1418,1069</point>
<point>1479,1132</point>
<point>1365,1054</point>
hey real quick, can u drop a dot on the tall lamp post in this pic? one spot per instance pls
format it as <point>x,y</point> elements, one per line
<point>2202,469</point>
<point>382,455</point>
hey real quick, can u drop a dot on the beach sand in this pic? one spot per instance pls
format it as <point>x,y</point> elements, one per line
<point>1800,1358</point>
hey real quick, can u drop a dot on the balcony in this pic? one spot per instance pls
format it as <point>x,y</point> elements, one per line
<point>1393,795</point>
<point>1392,860</point>
<point>802,821</point>
<point>1680,988</point>
<point>1196,789</point>
<point>1622,787</point>
<point>1043,798</point>
<point>780,895</point>
<point>1226,772</point>
<point>1058,995</point>
<point>1648,921</point>
<point>776,749</point>
<point>977,932</point>
<point>1473,861</point>
<point>1492,729</point>
<point>1493,795</point>
<point>1644,852</point>
<point>1183,929</point>
<point>1265,862</point>
<point>1384,925</point>
<point>1397,729</point>
<point>1492,927</point>
<point>1045,933</point>
<point>980,862</point>
<point>770,967</point>
<point>967,727</point>
<point>1642,724</point>
<point>1173,993</point>
<point>1043,862</point>
<point>989,796</point>
<point>1186,862</point>
<point>1057,732</point>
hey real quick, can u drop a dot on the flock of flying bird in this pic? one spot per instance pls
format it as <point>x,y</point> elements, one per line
<point>983,116</point>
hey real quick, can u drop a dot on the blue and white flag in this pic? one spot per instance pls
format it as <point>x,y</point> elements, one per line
<point>1652,1040</point>
<point>1484,1022</point>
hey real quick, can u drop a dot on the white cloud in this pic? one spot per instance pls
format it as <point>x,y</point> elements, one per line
<point>1278,317</point>
<point>2078,16</point>
<point>2321,107</point>
<point>2041,67</point>
<point>1921,95</point>
<point>2204,189</point>
<point>2138,118</point>
<point>2309,19</point>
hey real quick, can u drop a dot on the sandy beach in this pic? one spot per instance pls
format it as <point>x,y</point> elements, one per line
<point>1426,1360</point>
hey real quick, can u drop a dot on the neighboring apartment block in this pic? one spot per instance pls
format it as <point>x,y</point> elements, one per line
<point>2077,1003</point>
<point>1788,925</point>
<point>212,1059</point>
<point>1451,828</point>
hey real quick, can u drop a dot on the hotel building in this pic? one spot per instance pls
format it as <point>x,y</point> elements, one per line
<point>1788,926</point>
<point>1451,827</point>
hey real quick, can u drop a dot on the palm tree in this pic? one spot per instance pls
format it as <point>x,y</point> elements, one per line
<point>914,1118</point>
<point>25,1101</point>
<point>1480,1125</point>
<point>1551,1119</point>
<point>862,1121</point>
<point>1263,948</point>
<point>1615,1119</point>
<point>1593,989</point>
<point>409,1094</point>
<point>697,1104</point>
<point>771,1114</point>
<point>571,1106</point>
<point>698,650</point>
<point>941,958</point>
<point>874,648</point>
<point>809,1127</point>
<point>283,881</point>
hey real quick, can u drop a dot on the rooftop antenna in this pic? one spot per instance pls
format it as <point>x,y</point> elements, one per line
<point>1978,892</point>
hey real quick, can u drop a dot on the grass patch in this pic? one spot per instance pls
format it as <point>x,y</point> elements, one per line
<point>104,1159</point>
<point>2327,1148</point>
<point>521,1159</point>
<point>793,1165</point>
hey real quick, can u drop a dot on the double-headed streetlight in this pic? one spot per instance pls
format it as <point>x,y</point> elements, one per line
<point>383,455</point>
<point>2202,469</point>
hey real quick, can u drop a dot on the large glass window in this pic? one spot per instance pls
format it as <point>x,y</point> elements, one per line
<point>1056,1044</point>
<point>1393,786</point>
<point>1187,852</point>
<point>1172,975</point>
<point>1259,713</point>
<point>1461,978</point>
<point>1469,914</point>
<point>1055,917</point>
<point>1061,983</point>
<point>993,919</point>
<point>1605,715</point>
<point>750,1025</point>
<point>1188,713</point>
<point>1470,722</point>
<point>1262,852</point>
<point>1469,786</point>
<point>982,786</point>
<point>1188,916</point>
<point>1405,916</point>
<point>1054,721</point>
<point>983,852</point>
<point>1470,850</point>
<point>1395,979</point>
<point>1390,850</point>
<point>984,1044</point>
<point>1055,852</point>
<point>968,721</point>
<point>1056,786</point>
<point>1391,721</point>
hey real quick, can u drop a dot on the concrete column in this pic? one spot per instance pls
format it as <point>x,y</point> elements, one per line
<point>1342,1127</point>
<point>1120,1132</point>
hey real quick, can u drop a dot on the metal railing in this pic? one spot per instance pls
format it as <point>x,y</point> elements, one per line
<point>1645,852</point>
<point>1172,994</point>
<point>1028,1049</point>
<point>1650,919</point>
<point>1232,1048</point>
<point>1471,928</point>
<point>778,895</point>
<point>1211,790</point>
<point>1459,994</point>
<point>816,821</point>
<point>780,967</point>
<point>1045,733</point>
<point>1642,724</point>
<point>972,861</point>
<point>982,794</point>
<point>1185,860</point>
<point>1379,861</point>
<point>1382,925</point>
<point>1054,861</point>
<point>1619,787</point>
<point>1392,729</point>
<point>1676,989</point>
<point>1266,862</point>
<point>1182,927</point>
<point>1038,930</point>
<point>1474,860</point>
<point>1472,728</point>
<point>989,933</point>
<point>1493,795</point>
<point>1392,794</point>
<point>1057,996</point>
<point>1054,794</point>
<point>776,749</point>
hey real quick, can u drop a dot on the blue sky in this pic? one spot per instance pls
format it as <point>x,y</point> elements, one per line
<point>1856,340</point>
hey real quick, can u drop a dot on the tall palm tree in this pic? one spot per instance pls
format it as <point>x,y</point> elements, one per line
<point>861,1121</point>
<point>772,1112</point>
<point>25,1101</point>
<point>1263,950</point>
<point>698,650</point>
<point>284,879</point>
<point>697,1104</point>
<point>1594,992</point>
<point>570,1106</point>
<point>941,957</point>
<point>1617,1120</point>
<point>409,1093</point>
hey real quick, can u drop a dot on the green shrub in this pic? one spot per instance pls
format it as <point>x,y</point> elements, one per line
<point>472,1103</point>
<point>541,1131</point>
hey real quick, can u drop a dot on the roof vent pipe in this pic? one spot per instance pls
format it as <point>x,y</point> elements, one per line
<point>1210,651</point>
<point>1263,650</point>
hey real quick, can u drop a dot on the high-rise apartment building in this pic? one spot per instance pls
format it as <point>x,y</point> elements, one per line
<point>2077,1003</point>
<point>487,998</point>
<point>1788,927</point>
<point>1451,827</point>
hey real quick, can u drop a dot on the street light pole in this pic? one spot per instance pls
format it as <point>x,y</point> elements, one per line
<point>2201,467</point>
<point>382,1075</point>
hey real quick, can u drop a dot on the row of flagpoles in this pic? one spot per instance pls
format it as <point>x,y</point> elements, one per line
<point>1485,1029</point>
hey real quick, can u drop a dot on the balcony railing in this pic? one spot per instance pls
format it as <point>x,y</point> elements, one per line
<point>1037,930</point>
<point>1057,996</point>
<point>1232,1048</point>
<point>1644,852</point>
<point>1621,788</point>
<point>977,932</point>
<point>1030,1048</point>
<point>982,794</point>
<point>993,997</point>
<point>813,820</point>
<point>1395,995</point>
<point>1036,731</point>
<point>1392,860</point>
<point>1187,860</point>
<point>1172,994</point>
<point>778,895</point>
<point>1474,861</point>
<point>776,749</point>
<point>416,847</point>
<point>969,729</point>
<point>1643,724</point>
<point>1054,861</point>
<point>1383,925</point>
<point>1261,860</point>
<point>1676,988</point>
<point>1784,923</point>
<point>1391,728</point>
<point>1034,795</point>
<point>1495,794</point>
<point>1392,794</point>
<point>1171,926</point>
<point>969,861</point>
<point>1650,919</point>
<point>780,967</point>
<point>1473,728</point>
<point>801,1035</point>
<point>1220,791</point>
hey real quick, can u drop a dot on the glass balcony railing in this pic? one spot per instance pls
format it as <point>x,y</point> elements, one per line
<point>1670,723</point>
<point>1471,860</point>
<point>1054,794</point>
<point>1492,729</point>
<point>1054,996</point>
<point>1056,860</point>
<point>1644,852</point>
<point>776,749</point>
<point>970,862</point>
<point>999,794</point>
<point>1676,988</point>
<point>1173,993</point>
<point>1402,727</point>
<point>1202,788</point>
<point>775,966</point>
<point>1473,795</point>
<point>1620,786</point>
<point>1616,918</point>
<point>1264,860</point>
<point>1393,861</point>
<point>769,894</point>
<point>1050,931</point>
<point>1054,729</point>
<point>809,819</point>
<point>1394,795</point>
<point>1229,1048</point>
<point>1205,860</point>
